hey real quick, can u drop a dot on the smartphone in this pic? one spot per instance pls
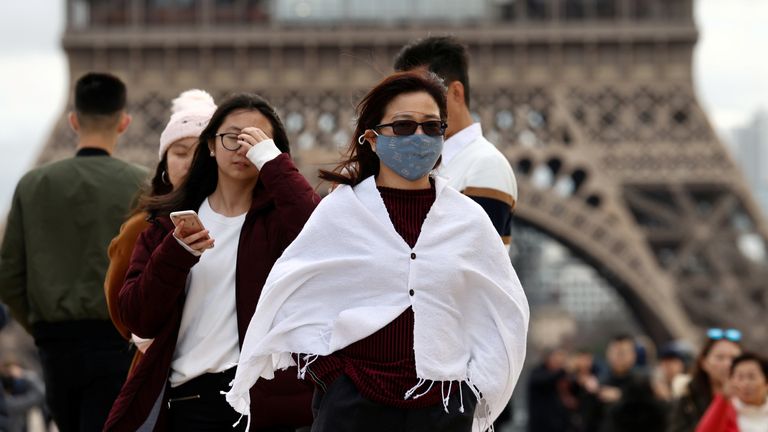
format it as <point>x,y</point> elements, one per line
<point>192,223</point>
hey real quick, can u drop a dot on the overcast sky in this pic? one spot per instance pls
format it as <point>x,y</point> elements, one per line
<point>730,69</point>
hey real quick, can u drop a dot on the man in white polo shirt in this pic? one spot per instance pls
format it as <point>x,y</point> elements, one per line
<point>471,163</point>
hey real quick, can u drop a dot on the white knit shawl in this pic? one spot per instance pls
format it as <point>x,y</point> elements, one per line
<point>348,274</point>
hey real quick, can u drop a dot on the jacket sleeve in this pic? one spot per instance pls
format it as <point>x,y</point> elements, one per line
<point>719,417</point>
<point>499,213</point>
<point>492,184</point>
<point>155,281</point>
<point>680,417</point>
<point>13,265</point>
<point>120,250</point>
<point>542,377</point>
<point>293,196</point>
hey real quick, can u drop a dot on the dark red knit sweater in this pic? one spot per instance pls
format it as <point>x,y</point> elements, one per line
<point>383,365</point>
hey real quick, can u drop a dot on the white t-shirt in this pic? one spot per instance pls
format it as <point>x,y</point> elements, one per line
<point>751,418</point>
<point>208,338</point>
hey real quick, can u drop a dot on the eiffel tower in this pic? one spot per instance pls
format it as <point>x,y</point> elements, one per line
<point>592,101</point>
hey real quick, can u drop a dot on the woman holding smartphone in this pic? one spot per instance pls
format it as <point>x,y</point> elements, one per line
<point>195,299</point>
<point>398,298</point>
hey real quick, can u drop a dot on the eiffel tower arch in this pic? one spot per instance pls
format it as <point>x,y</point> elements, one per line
<point>592,101</point>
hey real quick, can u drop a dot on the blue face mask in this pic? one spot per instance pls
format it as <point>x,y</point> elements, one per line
<point>409,156</point>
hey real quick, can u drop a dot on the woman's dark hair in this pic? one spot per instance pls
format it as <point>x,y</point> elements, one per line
<point>747,357</point>
<point>360,161</point>
<point>158,185</point>
<point>203,174</point>
<point>700,381</point>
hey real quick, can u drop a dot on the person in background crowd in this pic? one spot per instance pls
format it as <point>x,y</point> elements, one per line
<point>24,393</point>
<point>586,388</point>
<point>637,410</point>
<point>671,364</point>
<point>54,258</point>
<point>621,356</point>
<point>710,374</point>
<point>551,400</point>
<point>743,404</point>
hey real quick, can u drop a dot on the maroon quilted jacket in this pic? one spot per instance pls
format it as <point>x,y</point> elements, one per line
<point>152,299</point>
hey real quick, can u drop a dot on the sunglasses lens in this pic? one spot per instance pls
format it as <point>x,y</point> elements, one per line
<point>408,127</point>
<point>404,127</point>
<point>715,333</point>
<point>432,128</point>
<point>732,335</point>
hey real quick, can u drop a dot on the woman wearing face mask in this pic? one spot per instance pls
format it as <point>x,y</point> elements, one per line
<point>190,114</point>
<point>194,299</point>
<point>710,373</point>
<point>398,298</point>
<point>743,406</point>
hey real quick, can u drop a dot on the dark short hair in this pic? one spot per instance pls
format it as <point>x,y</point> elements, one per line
<point>443,55</point>
<point>747,357</point>
<point>622,337</point>
<point>99,94</point>
<point>671,354</point>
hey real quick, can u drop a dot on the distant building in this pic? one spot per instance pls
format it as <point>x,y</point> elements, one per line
<point>750,144</point>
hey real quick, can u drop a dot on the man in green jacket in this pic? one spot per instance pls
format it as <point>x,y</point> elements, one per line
<point>54,257</point>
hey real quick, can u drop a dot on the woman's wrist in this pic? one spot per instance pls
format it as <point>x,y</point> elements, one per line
<point>262,153</point>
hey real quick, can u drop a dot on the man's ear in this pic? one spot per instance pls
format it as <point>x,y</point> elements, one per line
<point>74,122</point>
<point>456,91</point>
<point>125,121</point>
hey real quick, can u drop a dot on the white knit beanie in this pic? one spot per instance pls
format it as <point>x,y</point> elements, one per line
<point>191,112</point>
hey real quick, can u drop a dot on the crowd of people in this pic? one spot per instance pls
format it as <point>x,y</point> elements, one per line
<point>221,292</point>
<point>391,303</point>
<point>723,388</point>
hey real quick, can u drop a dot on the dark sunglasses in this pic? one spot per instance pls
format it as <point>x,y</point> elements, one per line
<point>732,335</point>
<point>408,127</point>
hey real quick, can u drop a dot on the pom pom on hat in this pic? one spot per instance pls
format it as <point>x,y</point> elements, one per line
<point>191,112</point>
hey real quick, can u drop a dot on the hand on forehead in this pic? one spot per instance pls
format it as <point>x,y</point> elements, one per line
<point>242,119</point>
